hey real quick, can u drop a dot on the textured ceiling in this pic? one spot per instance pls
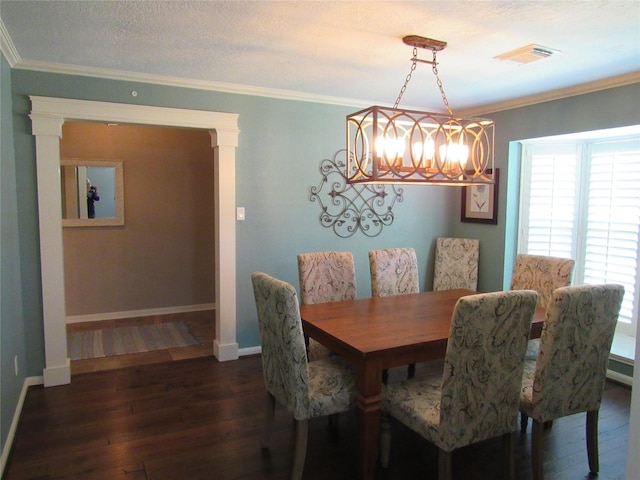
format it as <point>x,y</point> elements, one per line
<point>341,51</point>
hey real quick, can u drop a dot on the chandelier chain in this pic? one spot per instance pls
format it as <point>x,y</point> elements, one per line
<point>434,67</point>
<point>414,61</point>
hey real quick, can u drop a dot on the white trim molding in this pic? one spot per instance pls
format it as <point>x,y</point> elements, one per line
<point>7,47</point>
<point>620,378</point>
<point>47,117</point>
<point>244,352</point>
<point>98,317</point>
<point>110,74</point>
<point>16,62</point>
<point>558,94</point>
<point>6,448</point>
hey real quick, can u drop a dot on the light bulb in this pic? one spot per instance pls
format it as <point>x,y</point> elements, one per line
<point>423,153</point>
<point>452,154</point>
<point>400,146</point>
<point>391,147</point>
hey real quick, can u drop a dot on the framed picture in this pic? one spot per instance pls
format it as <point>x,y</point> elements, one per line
<point>480,202</point>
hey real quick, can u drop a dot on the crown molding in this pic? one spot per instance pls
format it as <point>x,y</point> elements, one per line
<point>65,69</point>
<point>7,47</point>
<point>186,83</point>
<point>612,82</point>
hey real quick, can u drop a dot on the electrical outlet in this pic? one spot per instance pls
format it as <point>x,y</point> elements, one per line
<point>15,364</point>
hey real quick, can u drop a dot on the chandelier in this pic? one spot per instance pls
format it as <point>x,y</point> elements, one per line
<point>395,145</point>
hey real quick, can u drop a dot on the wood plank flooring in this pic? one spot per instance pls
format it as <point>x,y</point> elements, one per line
<point>201,324</point>
<point>202,419</point>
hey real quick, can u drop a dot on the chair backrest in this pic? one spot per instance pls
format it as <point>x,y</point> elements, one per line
<point>456,264</point>
<point>484,365</point>
<point>542,274</point>
<point>394,271</point>
<point>326,277</point>
<point>284,356</point>
<point>572,361</point>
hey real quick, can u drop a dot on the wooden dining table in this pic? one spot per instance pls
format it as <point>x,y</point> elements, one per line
<point>379,333</point>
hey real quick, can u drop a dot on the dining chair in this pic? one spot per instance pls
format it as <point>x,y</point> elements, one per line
<point>394,271</point>
<point>569,373</point>
<point>476,396</point>
<point>456,263</point>
<point>306,389</point>
<point>325,277</point>
<point>541,273</point>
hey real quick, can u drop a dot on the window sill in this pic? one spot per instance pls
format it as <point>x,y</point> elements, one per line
<point>623,348</point>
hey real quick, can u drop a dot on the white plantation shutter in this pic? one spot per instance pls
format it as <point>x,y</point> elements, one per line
<point>581,200</point>
<point>613,219</point>
<point>551,212</point>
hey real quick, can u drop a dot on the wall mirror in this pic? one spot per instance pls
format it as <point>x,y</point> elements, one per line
<point>92,192</point>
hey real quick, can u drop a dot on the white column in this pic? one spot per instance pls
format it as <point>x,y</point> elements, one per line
<point>224,143</point>
<point>48,131</point>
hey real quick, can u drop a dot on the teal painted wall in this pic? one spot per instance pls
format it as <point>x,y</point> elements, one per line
<point>12,319</point>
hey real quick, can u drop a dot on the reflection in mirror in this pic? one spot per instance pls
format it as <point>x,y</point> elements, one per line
<point>92,192</point>
<point>83,187</point>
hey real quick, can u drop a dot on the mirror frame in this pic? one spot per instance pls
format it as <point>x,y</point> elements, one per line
<point>118,220</point>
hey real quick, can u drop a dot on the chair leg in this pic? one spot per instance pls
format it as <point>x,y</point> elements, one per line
<point>411,370</point>
<point>385,376</point>
<point>524,420</point>
<point>536,450</point>
<point>385,439</point>
<point>300,450</point>
<point>268,425</point>
<point>444,465</point>
<point>509,453</point>
<point>592,440</point>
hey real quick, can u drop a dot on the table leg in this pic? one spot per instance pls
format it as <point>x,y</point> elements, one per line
<point>368,387</point>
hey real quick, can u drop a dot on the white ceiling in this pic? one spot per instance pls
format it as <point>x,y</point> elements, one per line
<point>347,52</point>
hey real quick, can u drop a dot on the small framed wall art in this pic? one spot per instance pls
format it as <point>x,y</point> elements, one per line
<point>480,202</point>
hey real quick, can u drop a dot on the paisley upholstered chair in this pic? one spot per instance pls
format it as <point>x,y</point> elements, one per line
<point>394,271</point>
<point>542,274</point>
<point>569,373</point>
<point>306,389</point>
<point>456,264</point>
<point>325,277</point>
<point>477,395</point>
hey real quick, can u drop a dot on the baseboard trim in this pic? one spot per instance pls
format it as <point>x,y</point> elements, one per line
<point>4,457</point>
<point>243,352</point>
<point>59,375</point>
<point>97,317</point>
<point>225,351</point>
<point>620,378</point>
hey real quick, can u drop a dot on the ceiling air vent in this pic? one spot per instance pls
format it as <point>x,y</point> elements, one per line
<point>528,54</point>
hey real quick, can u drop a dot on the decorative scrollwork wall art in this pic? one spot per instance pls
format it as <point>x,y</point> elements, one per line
<point>349,208</point>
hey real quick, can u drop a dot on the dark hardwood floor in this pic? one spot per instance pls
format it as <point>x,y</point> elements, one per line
<point>201,419</point>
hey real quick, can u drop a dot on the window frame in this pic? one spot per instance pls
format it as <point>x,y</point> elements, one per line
<point>582,146</point>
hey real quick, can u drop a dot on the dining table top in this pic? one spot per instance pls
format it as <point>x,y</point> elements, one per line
<point>376,325</point>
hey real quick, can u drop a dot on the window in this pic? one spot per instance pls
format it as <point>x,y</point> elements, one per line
<point>580,198</point>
